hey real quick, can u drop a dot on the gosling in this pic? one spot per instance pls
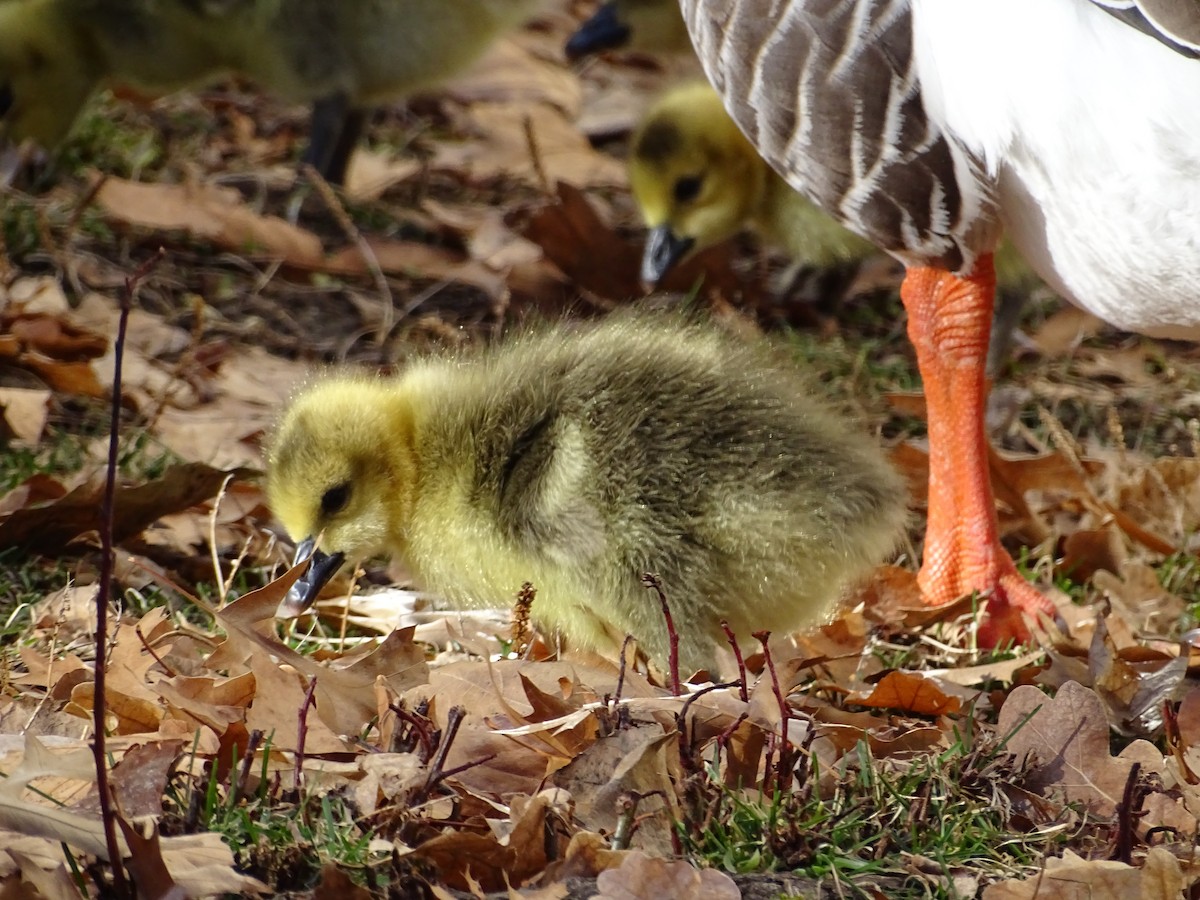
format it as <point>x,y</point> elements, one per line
<point>649,26</point>
<point>698,181</point>
<point>578,458</point>
<point>343,56</point>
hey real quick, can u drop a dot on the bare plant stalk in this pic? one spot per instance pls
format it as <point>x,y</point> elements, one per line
<point>238,789</point>
<point>743,691</point>
<point>627,804</point>
<point>621,670</point>
<point>310,701</point>
<point>785,745</point>
<point>653,582</point>
<point>687,756</point>
<point>107,510</point>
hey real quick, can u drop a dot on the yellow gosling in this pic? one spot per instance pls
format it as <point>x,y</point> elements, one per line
<point>578,457</point>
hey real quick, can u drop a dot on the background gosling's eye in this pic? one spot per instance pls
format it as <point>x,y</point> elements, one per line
<point>334,499</point>
<point>687,188</point>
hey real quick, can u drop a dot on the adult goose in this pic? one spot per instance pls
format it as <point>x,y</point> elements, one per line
<point>930,127</point>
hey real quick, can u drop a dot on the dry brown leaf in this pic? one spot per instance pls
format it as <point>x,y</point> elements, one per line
<point>639,759</point>
<point>588,854</point>
<point>509,72</point>
<point>208,212</point>
<point>493,862</point>
<point>24,411</point>
<point>124,714</point>
<point>146,864</point>
<point>241,401</point>
<point>908,692</point>
<point>371,174</point>
<point>212,703</point>
<point>1139,601</point>
<point>47,529</point>
<point>418,260</point>
<point>1065,330</point>
<point>1068,736</point>
<point>36,490</point>
<point>1133,694</point>
<point>1074,878</point>
<point>484,231</point>
<point>642,877</point>
<point>388,776</point>
<point>202,864</point>
<point>47,671</point>
<point>38,882</point>
<point>1188,717</point>
<point>502,147</point>
<point>346,699</point>
<point>139,780</point>
<point>1089,550</point>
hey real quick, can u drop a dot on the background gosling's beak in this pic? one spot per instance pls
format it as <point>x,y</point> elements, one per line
<point>322,567</point>
<point>663,249</point>
<point>601,32</point>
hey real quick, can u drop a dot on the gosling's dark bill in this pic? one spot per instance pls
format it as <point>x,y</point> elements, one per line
<point>579,457</point>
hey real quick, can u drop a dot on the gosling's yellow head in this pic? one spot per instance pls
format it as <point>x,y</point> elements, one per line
<point>653,26</point>
<point>340,473</point>
<point>48,69</point>
<point>695,177</point>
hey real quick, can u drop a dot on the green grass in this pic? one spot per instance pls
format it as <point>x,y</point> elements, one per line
<point>282,836</point>
<point>870,819</point>
<point>1179,573</point>
<point>25,580</point>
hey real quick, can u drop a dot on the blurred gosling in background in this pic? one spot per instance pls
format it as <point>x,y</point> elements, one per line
<point>343,56</point>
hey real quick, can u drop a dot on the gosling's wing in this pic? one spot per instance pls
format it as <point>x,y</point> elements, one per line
<point>533,471</point>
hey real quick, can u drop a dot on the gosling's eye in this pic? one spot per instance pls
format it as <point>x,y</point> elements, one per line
<point>687,189</point>
<point>334,500</point>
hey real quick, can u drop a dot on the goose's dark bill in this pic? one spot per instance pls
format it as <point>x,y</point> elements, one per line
<point>603,31</point>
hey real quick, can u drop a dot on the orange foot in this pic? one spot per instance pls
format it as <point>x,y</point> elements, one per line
<point>949,318</point>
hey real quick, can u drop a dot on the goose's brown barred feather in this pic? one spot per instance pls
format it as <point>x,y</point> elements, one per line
<point>827,91</point>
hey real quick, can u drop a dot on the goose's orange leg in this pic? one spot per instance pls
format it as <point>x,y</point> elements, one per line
<point>949,318</point>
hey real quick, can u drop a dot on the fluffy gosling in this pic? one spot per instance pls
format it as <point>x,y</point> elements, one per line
<point>578,457</point>
<point>698,181</point>
<point>343,56</point>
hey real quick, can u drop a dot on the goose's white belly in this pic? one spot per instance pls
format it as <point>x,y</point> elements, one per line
<point>1092,132</point>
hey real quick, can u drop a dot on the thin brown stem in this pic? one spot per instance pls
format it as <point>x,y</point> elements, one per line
<point>107,511</point>
<point>653,582</point>
<point>743,691</point>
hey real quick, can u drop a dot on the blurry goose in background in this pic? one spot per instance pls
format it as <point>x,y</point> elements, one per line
<point>578,457</point>
<point>344,57</point>
<point>651,26</point>
<point>930,127</point>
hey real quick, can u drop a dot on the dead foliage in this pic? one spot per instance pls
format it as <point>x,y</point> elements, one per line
<point>433,759</point>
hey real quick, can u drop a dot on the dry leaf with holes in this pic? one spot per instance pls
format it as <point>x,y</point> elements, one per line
<point>1068,737</point>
